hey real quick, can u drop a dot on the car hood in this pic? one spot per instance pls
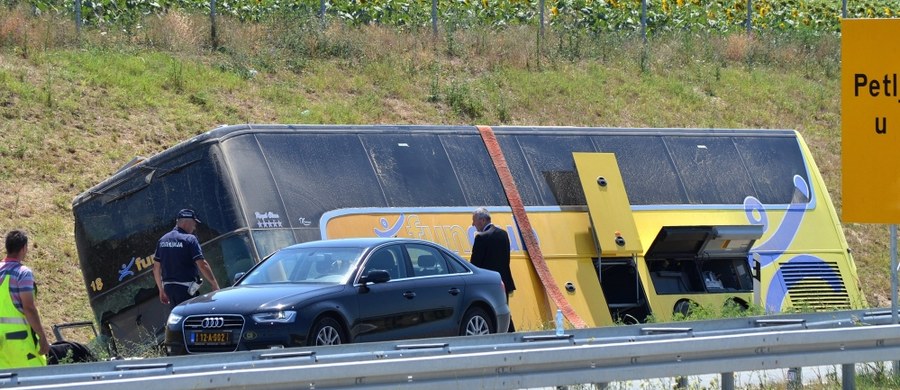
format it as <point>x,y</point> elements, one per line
<point>251,299</point>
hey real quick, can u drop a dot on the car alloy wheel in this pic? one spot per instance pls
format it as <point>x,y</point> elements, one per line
<point>327,332</point>
<point>476,322</point>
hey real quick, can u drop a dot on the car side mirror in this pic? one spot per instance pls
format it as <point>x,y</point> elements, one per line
<point>376,276</point>
<point>238,276</point>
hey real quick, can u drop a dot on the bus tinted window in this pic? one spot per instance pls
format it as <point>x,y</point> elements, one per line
<point>521,172</point>
<point>262,207</point>
<point>773,182</point>
<point>413,170</point>
<point>711,169</point>
<point>475,170</point>
<point>646,168</point>
<point>553,167</point>
<point>320,172</point>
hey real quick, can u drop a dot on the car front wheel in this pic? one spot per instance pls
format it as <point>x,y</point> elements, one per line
<point>476,322</point>
<point>327,331</point>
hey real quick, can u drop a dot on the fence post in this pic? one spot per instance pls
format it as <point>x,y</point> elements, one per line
<point>749,15</point>
<point>434,17</point>
<point>541,31</point>
<point>644,20</point>
<point>78,17</point>
<point>212,24</point>
<point>322,14</point>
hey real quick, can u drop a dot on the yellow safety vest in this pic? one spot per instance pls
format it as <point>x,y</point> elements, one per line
<point>18,345</point>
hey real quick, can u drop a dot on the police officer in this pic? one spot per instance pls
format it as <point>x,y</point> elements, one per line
<point>178,261</point>
<point>22,339</point>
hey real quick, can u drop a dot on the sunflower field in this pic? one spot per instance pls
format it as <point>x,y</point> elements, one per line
<point>593,16</point>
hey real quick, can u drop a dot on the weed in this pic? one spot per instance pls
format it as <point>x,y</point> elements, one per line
<point>175,77</point>
<point>434,91</point>
<point>463,100</point>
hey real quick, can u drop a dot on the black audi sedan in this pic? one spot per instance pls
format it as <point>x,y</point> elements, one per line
<point>339,291</point>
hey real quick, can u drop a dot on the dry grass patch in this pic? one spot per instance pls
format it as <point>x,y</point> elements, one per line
<point>737,47</point>
<point>177,32</point>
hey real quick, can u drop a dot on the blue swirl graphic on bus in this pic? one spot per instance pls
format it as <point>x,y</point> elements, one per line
<point>388,230</point>
<point>779,242</point>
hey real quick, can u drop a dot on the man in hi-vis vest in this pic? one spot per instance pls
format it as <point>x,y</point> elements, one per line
<point>22,339</point>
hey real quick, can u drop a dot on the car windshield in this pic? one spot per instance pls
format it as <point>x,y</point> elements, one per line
<point>306,265</point>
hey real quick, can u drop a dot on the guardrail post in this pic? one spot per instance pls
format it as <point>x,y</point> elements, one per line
<point>795,378</point>
<point>727,381</point>
<point>848,376</point>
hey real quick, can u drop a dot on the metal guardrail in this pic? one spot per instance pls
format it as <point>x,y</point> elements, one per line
<point>510,361</point>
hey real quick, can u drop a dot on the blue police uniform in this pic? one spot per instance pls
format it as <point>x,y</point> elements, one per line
<point>177,253</point>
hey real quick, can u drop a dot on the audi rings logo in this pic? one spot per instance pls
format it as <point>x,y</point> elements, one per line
<point>212,322</point>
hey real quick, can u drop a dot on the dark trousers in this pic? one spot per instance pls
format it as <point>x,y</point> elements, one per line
<point>512,328</point>
<point>177,294</point>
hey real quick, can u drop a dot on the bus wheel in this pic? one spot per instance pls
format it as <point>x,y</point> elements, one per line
<point>683,307</point>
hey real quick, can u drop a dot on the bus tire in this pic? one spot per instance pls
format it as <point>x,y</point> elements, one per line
<point>683,307</point>
<point>735,301</point>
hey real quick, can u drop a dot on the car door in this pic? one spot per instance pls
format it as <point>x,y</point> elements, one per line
<point>438,291</point>
<point>389,310</point>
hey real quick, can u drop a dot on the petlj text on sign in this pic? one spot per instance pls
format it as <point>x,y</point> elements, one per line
<point>870,120</point>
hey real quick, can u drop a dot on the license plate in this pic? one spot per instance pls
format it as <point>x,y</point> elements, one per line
<point>210,338</point>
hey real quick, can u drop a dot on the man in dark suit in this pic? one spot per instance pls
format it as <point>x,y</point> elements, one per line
<point>491,250</point>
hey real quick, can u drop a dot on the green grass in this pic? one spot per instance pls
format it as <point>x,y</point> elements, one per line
<point>73,112</point>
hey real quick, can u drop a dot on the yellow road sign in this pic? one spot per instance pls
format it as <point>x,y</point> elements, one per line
<point>870,115</point>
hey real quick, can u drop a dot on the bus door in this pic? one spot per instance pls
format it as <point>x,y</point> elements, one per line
<point>615,236</point>
<point>702,265</point>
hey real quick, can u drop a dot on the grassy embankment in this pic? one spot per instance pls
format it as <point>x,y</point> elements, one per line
<point>75,110</point>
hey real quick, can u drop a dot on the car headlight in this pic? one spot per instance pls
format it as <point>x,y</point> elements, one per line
<point>174,319</point>
<point>282,317</point>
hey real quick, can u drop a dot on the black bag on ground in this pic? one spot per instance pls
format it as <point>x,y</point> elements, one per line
<point>60,351</point>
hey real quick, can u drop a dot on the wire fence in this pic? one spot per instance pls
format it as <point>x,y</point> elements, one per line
<point>647,17</point>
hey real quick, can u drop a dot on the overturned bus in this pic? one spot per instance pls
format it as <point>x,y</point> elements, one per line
<point>622,223</point>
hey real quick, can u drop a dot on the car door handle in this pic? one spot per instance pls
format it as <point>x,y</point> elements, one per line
<point>409,295</point>
<point>454,291</point>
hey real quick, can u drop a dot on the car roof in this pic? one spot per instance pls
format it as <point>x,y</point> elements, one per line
<point>366,242</point>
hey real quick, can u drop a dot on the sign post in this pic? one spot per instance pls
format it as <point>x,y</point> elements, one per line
<point>870,129</point>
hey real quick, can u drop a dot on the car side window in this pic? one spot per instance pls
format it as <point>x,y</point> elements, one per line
<point>454,265</point>
<point>426,260</point>
<point>389,259</point>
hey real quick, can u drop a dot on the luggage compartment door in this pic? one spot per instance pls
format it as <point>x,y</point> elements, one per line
<point>608,205</point>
